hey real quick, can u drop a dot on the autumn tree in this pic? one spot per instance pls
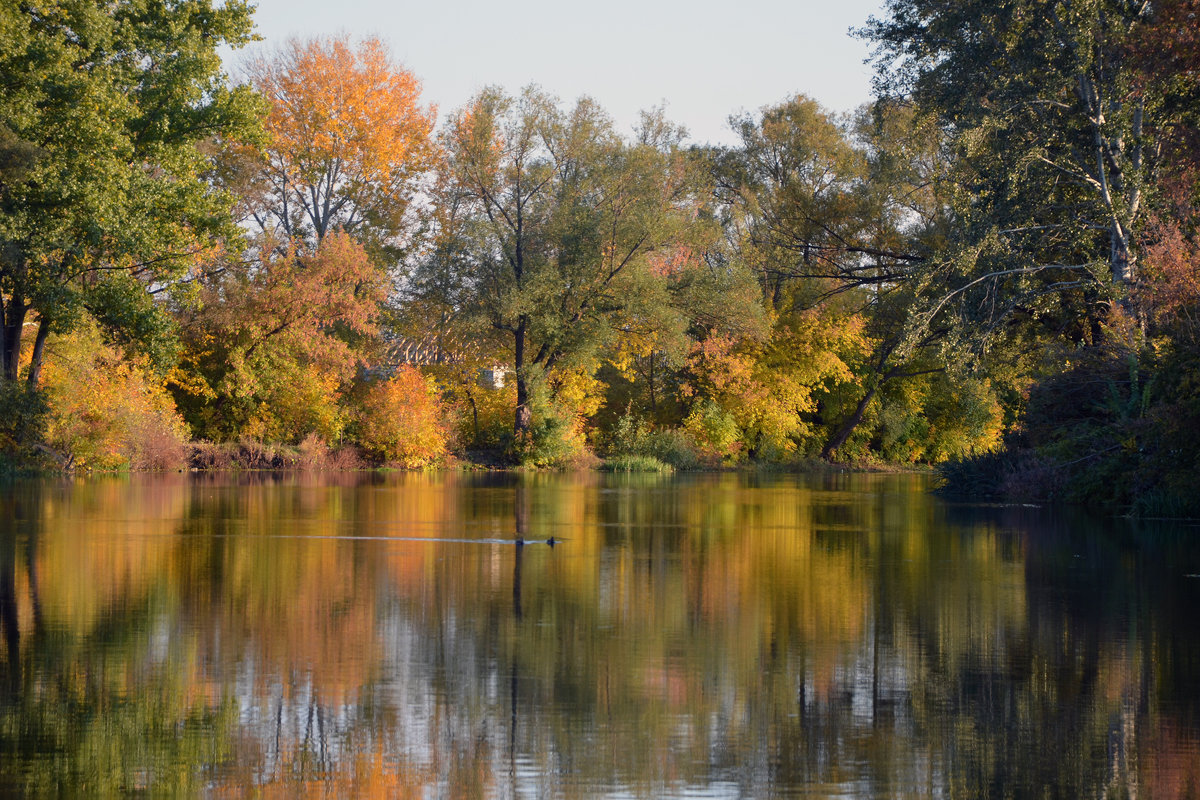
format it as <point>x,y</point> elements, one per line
<point>1166,55</point>
<point>106,410</point>
<point>557,224</point>
<point>837,218</point>
<point>103,196</point>
<point>401,419</point>
<point>268,349</point>
<point>348,142</point>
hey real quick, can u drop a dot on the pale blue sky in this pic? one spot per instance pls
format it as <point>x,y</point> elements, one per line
<point>704,59</point>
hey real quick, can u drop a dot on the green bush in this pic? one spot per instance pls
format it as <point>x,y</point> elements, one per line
<point>715,431</point>
<point>674,447</point>
<point>636,464</point>
<point>633,436</point>
<point>23,417</point>
<point>551,442</point>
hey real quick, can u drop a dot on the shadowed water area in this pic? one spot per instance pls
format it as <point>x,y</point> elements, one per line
<point>724,635</point>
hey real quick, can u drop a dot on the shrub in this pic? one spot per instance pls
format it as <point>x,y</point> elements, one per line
<point>250,454</point>
<point>401,420</point>
<point>210,456</point>
<point>157,442</point>
<point>313,453</point>
<point>628,435</point>
<point>633,436</point>
<point>715,431</point>
<point>552,441</point>
<point>673,447</point>
<point>106,411</point>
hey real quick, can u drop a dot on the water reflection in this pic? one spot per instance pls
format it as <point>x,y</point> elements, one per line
<point>723,635</point>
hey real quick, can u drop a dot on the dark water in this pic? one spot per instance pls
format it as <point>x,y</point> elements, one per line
<point>698,636</point>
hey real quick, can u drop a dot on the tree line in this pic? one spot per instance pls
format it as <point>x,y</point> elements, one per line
<point>992,266</point>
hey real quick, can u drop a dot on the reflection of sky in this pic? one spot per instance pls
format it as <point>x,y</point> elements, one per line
<point>704,59</point>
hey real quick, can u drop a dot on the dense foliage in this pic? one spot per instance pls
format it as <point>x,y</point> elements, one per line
<point>993,266</point>
<point>1072,134</point>
<point>103,197</point>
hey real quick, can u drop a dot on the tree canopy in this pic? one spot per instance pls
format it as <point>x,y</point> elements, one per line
<point>103,109</point>
<point>563,233</point>
<point>1053,146</point>
<point>347,141</point>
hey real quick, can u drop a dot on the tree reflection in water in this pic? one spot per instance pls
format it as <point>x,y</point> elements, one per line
<point>731,634</point>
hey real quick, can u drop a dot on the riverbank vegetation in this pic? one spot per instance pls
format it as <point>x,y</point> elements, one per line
<point>993,267</point>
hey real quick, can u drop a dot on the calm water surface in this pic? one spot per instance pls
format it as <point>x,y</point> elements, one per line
<point>695,636</point>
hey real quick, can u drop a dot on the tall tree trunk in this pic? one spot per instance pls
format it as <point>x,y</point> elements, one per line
<point>843,433</point>
<point>39,349</point>
<point>524,416</point>
<point>14,322</point>
<point>1121,258</point>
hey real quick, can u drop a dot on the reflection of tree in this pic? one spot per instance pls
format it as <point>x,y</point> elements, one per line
<point>8,604</point>
<point>758,631</point>
<point>1057,695</point>
<point>97,708</point>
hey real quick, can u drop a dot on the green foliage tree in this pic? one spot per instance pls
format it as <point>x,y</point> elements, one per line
<point>1072,130</point>
<point>1054,151</point>
<point>559,234</point>
<point>103,196</point>
<point>792,201</point>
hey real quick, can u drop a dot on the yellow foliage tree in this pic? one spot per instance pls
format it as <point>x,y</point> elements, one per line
<point>275,343</point>
<point>108,412</point>
<point>768,389</point>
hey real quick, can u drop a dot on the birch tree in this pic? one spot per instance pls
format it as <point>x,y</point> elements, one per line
<point>1053,144</point>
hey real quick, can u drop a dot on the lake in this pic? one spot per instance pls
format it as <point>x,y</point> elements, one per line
<point>708,635</point>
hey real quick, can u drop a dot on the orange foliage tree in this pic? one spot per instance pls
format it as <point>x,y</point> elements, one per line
<point>273,345</point>
<point>1169,291</point>
<point>401,419</point>
<point>348,140</point>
